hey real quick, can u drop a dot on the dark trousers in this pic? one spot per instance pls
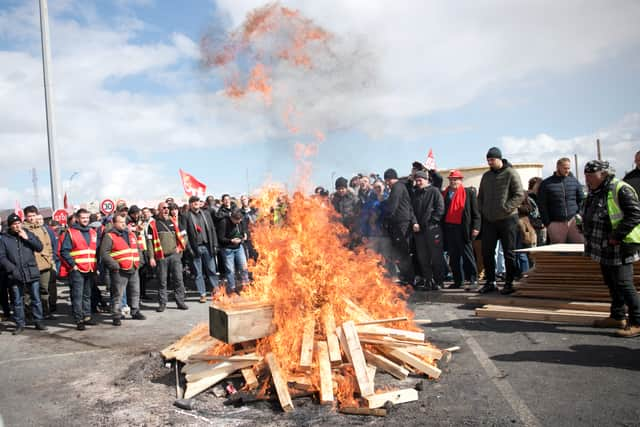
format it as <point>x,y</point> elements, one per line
<point>400,235</point>
<point>429,254</point>
<point>5,289</point>
<point>81,284</point>
<point>170,266</point>
<point>461,259</point>
<point>121,282</point>
<point>619,280</point>
<point>18,297</point>
<point>505,230</point>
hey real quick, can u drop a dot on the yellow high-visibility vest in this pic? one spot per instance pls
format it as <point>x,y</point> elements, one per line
<point>616,214</point>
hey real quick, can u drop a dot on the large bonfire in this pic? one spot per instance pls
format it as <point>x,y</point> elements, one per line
<point>321,291</point>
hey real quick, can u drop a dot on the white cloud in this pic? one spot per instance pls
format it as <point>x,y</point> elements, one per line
<point>619,143</point>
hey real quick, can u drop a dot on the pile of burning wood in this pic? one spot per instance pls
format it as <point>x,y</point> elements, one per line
<point>335,363</point>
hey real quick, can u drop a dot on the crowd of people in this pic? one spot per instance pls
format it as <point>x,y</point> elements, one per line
<point>425,232</point>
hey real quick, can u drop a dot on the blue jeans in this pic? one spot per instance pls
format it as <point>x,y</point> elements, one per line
<point>235,258</point>
<point>205,264</point>
<point>18,299</point>
<point>81,284</point>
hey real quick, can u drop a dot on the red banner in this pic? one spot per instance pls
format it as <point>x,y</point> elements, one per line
<point>192,187</point>
<point>18,211</point>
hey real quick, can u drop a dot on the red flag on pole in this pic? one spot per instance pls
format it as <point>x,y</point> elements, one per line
<point>66,201</point>
<point>431,161</point>
<point>18,211</point>
<point>192,187</point>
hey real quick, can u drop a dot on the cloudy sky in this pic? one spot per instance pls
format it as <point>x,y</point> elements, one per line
<point>540,79</point>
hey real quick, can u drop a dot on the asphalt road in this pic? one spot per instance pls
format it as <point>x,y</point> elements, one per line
<point>506,373</point>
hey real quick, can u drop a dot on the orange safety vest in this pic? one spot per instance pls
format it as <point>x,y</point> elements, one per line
<point>125,255</point>
<point>83,253</point>
<point>158,253</point>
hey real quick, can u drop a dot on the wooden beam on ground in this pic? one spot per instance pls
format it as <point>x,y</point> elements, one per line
<point>386,365</point>
<point>333,344</point>
<point>421,321</point>
<point>413,361</point>
<point>356,356</point>
<point>557,316</point>
<point>371,373</point>
<point>216,368</point>
<point>279,383</point>
<point>197,387</point>
<point>395,397</point>
<point>239,358</point>
<point>356,410</point>
<point>423,350</point>
<point>250,379</point>
<point>306,349</point>
<point>326,377</point>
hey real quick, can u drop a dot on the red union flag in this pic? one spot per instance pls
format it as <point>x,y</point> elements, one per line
<point>431,161</point>
<point>192,187</point>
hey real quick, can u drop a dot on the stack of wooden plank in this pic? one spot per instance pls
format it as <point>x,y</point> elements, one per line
<point>561,271</point>
<point>564,286</point>
<point>355,349</point>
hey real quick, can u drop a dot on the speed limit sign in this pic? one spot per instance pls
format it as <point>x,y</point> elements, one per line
<point>107,206</point>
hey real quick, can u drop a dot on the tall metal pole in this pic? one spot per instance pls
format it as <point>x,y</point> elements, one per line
<point>56,195</point>
<point>575,159</point>
<point>599,150</point>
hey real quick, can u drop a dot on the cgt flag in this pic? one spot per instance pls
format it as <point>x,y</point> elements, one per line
<point>431,161</point>
<point>18,211</point>
<point>192,187</point>
<point>66,201</point>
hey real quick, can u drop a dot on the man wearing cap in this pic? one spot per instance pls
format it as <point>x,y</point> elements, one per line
<point>398,217</point>
<point>611,227</point>
<point>559,198</point>
<point>428,208</point>
<point>461,225</point>
<point>203,246</point>
<point>499,196</point>
<point>17,247</point>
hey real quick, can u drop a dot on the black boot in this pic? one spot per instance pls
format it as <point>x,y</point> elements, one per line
<point>80,326</point>
<point>117,321</point>
<point>488,287</point>
<point>507,289</point>
<point>18,330</point>
<point>161,308</point>
<point>40,326</point>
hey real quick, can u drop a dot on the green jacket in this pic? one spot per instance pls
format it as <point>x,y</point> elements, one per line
<point>500,193</point>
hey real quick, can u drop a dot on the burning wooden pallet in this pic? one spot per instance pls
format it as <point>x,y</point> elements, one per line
<point>327,355</point>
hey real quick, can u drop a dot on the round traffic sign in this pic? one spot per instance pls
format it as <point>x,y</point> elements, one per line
<point>60,216</point>
<point>107,206</point>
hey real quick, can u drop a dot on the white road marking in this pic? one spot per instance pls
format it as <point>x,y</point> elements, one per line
<point>497,377</point>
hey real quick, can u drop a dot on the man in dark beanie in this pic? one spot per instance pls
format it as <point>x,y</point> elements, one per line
<point>17,247</point>
<point>397,218</point>
<point>345,203</point>
<point>611,227</point>
<point>499,196</point>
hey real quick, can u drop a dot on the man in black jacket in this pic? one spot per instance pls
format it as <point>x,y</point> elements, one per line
<point>559,199</point>
<point>232,236</point>
<point>461,225</point>
<point>428,208</point>
<point>203,246</point>
<point>633,177</point>
<point>398,217</point>
<point>16,257</point>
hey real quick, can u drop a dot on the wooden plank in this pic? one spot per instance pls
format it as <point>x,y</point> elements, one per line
<point>306,350</point>
<point>395,397</point>
<point>215,369</point>
<point>237,325</point>
<point>197,387</point>
<point>543,303</point>
<point>354,349</point>
<point>326,377</point>
<point>371,372</point>
<point>250,379</point>
<point>332,339</point>
<point>179,389</point>
<point>386,365</point>
<point>379,321</point>
<point>423,350</point>
<point>278,381</point>
<point>184,353</point>
<point>212,358</point>
<point>413,361</point>
<point>353,410</point>
<point>540,315</point>
<point>356,312</point>
<point>399,334</point>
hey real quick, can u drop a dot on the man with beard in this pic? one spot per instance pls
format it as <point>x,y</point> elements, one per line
<point>499,196</point>
<point>611,227</point>
<point>428,208</point>
<point>78,252</point>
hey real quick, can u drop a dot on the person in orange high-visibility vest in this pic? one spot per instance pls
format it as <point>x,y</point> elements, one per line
<point>119,253</point>
<point>78,254</point>
<point>165,244</point>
